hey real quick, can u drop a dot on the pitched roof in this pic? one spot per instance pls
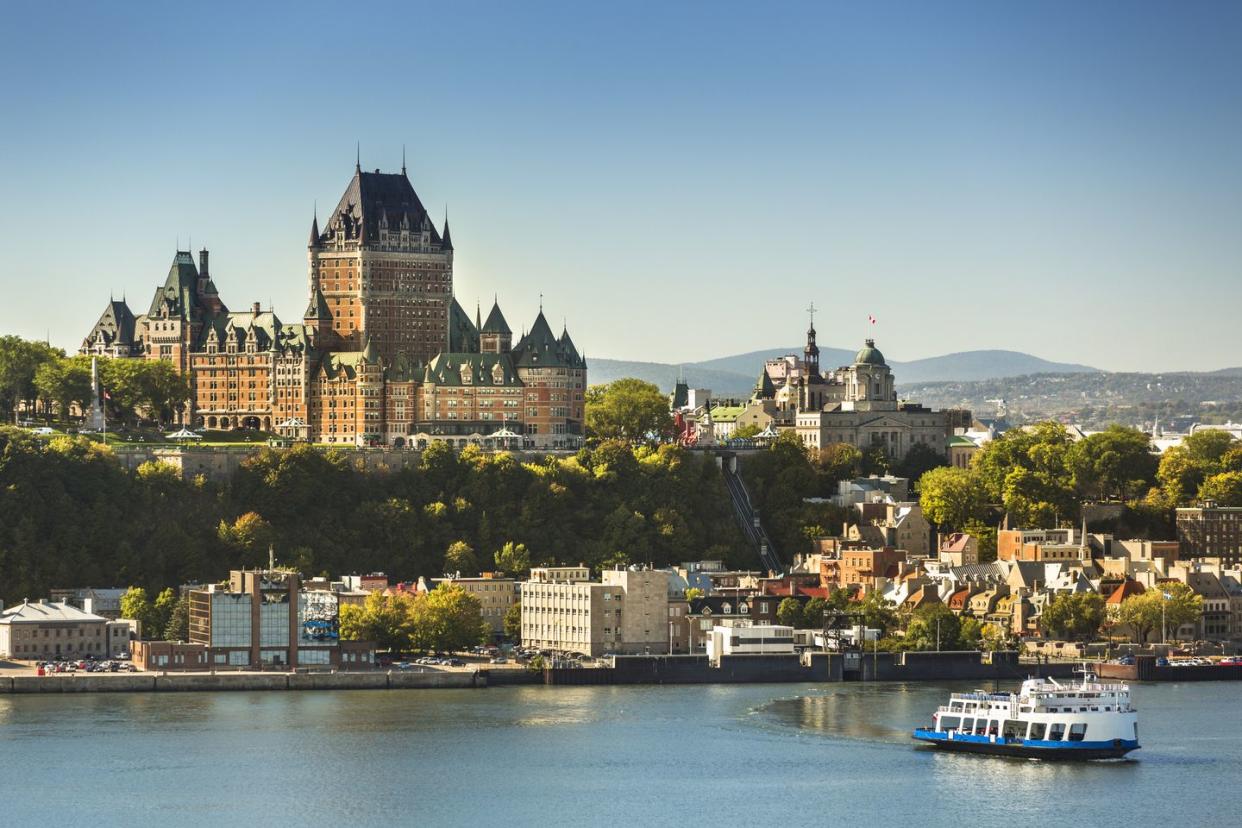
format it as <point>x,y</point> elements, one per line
<point>1124,591</point>
<point>28,613</point>
<point>375,198</point>
<point>179,295</point>
<point>463,333</point>
<point>541,349</point>
<point>496,323</point>
<point>115,326</point>
<point>472,369</point>
<point>764,389</point>
<point>317,308</point>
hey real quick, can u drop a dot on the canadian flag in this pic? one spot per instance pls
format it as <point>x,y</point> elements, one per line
<point>107,395</point>
<point>871,319</point>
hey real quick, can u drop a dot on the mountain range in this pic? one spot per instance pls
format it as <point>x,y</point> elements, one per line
<point>734,376</point>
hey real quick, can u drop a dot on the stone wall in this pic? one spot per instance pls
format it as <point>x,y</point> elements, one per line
<point>197,682</point>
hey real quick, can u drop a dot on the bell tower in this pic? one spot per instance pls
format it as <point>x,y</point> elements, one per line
<point>810,354</point>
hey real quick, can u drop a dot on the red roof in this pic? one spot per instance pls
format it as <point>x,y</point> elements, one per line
<point>1124,591</point>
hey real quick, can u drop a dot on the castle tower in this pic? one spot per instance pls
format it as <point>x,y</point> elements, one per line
<point>383,270</point>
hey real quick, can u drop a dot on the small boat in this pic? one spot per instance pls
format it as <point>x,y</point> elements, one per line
<point>1044,720</point>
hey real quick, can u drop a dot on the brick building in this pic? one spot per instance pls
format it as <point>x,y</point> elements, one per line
<point>383,354</point>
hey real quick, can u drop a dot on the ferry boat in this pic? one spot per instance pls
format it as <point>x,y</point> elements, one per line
<point>1044,720</point>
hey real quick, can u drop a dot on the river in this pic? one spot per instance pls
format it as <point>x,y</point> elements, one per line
<point>808,755</point>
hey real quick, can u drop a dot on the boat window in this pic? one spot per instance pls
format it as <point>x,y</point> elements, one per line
<point>981,726</point>
<point>992,727</point>
<point>1038,729</point>
<point>1056,732</point>
<point>968,726</point>
<point>949,722</point>
<point>1078,732</point>
<point>1014,729</point>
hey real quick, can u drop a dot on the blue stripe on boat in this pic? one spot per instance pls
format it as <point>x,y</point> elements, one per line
<point>982,739</point>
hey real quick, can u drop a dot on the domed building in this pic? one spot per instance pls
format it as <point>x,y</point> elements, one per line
<point>855,404</point>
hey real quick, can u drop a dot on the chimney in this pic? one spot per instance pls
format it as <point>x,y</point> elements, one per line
<point>255,308</point>
<point>202,263</point>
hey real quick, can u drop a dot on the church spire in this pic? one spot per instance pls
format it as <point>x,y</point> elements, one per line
<point>314,233</point>
<point>358,157</point>
<point>403,165</point>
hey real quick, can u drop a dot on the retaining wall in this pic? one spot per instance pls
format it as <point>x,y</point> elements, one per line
<point>206,682</point>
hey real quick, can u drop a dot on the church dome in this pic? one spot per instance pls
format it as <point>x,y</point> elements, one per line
<point>869,355</point>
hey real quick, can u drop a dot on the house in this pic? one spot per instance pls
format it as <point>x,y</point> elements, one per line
<point>49,629</point>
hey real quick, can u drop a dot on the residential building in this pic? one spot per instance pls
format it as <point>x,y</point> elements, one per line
<point>1039,545</point>
<point>959,549</point>
<point>959,450</point>
<point>49,629</point>
<point>626,611</point>
<point>1211,531</point>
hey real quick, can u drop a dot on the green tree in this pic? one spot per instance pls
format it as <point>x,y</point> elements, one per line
<point>745,432</point>
<point>693,593</point>
<point>162,610</point>
<point>513,623</point>
<point>1167,604</point>
<point>920,459</point>
<point>878,613</point>
<point>178,627</point>
<point>813,613</point>
<point>250,535</point>
<point>789,612</point>
<point>629,410</point>
<point>836,462</point>
<point>19,364</point>
<point>1073,616</point>
<point>1027,470</point>
<point>513,558</point>
<point>459,557</point>
<point>1117,463</point>
<point>1224,488</point>
<point>137,606</point>
<point>65,383</point>
<point>952,497</point>
<point>933,627</point>
<point>875,461</point>
<point>384,619</point>
<point>448,619</point>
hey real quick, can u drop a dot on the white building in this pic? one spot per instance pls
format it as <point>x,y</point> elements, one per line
<point>49,630</point>
<point>753,639</point>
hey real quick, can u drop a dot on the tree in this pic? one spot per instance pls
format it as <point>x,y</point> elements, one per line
<point>1027,471</point>
<point>19,363</point>
<point>178,627</point>
<point>250,535</point>
<point>513,558</point>
<point>513,623</point>
<point>1224,488</point>
<point>933,627</point>
<point>1203,454</point>
<point>1073,616</point>
<point>384,619</point>
<point>952,497</point>
<point>878,613</point>
<point>1117,462</point>
<point>65,383</point>
<point>1169,604</point>
<point>745,432</point>
<point>693,593</point>
<point>789,612</point>
<point>459,557</point>
<point>836,462</point>
<point>136,605</point>
<point>875,461</point>
<point>162,610</point>
<point>920,459</point>
<point>448,619</point>
<point>813,613</point>
<point>628,409</point>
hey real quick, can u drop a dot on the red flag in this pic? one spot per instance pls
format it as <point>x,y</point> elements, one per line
<point>871,319</point>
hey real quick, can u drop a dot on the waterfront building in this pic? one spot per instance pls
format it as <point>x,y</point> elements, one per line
<point>50,629</point>
<point>264,618</point>
<point>496,595</point>
<point>626,611</point>
<point>383,354</point>
<point>1040,545</point>
<point>750,639</point>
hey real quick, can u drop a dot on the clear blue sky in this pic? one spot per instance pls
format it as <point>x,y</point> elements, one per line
<point>678,179</point>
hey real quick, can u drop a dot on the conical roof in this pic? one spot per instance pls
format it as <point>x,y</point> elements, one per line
<point>496,323</point>
<point>318,306</point>
<point>764,389</point>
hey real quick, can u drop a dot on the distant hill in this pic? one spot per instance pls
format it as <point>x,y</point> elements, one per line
<point>735,375</point>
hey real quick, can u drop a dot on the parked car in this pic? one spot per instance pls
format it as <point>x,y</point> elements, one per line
<point>500,660</point>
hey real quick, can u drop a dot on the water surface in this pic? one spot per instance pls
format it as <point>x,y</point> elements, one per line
<point>806,754</point>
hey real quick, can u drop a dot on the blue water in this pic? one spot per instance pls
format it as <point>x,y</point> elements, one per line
<point>616,756</point>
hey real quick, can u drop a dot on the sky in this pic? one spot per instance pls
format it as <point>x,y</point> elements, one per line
<point>678,180</point>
